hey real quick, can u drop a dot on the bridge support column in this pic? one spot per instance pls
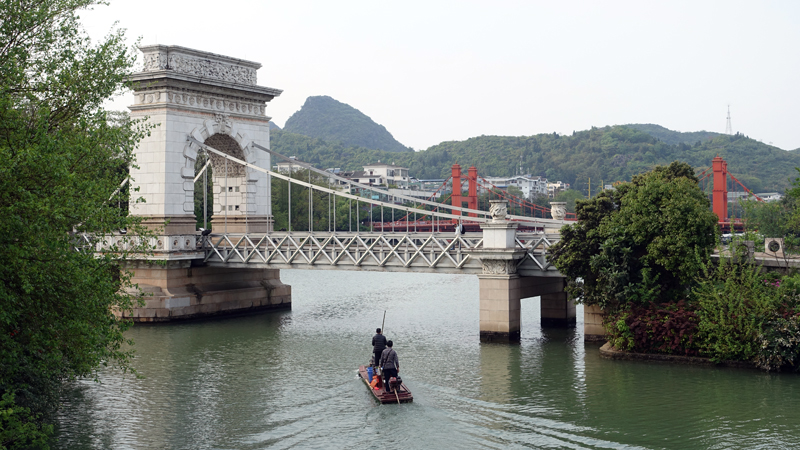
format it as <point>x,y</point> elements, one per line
<point>557,310</point>
<point>500,291</point>
<point>499,308</point>
<point>180,290</point>
<point>593,330</point>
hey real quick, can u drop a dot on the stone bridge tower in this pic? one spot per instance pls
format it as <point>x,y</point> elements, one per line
<point>215,100</point>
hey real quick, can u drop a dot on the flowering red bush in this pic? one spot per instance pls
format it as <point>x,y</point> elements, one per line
<point>664,328</point>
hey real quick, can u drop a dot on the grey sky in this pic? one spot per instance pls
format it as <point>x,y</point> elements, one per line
<point>433,71</point>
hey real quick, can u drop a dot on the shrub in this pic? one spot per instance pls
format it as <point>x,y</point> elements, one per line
<point>779,344</point>
<point>734,302</point>
<point>666,328</point>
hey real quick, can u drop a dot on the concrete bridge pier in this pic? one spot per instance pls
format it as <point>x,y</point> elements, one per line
<point>557,310</point>
<point>499,307</point>
<point>502,288</point>
<point>500,295</point>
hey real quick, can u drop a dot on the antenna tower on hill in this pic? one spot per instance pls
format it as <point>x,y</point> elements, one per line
<point>728,128</point>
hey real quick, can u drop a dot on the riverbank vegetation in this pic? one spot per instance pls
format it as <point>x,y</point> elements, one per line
<point>62,161</point>
<point>642,252</point>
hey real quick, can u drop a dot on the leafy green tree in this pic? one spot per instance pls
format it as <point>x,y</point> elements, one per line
<point>515,191</point>
<point>325,208</point>
<point>644,241</point>
<point>542,200</point>
<point>203,204</point>
<point>735,301</point>
<point>570,196</point>
<point>62,160</point>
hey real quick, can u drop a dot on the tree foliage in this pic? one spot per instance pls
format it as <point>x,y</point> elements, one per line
<point>570,196</point>
<point>608,154</point>
<point>61,160</point>
<point>673,137</point>
<point>643,242</point>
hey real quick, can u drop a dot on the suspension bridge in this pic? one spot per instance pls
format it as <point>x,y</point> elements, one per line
<point>208,107</point>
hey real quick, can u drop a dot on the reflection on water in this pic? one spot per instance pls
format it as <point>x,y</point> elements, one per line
<point>288,380</point>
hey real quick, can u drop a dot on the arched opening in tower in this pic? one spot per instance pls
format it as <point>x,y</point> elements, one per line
<point>224,183</point>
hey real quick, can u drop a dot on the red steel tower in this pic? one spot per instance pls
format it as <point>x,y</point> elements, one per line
<point>472,197</point>
<point>720,196</point>
<point>456,196</point>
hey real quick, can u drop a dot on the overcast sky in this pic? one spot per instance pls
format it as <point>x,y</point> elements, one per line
<point>433,71</point>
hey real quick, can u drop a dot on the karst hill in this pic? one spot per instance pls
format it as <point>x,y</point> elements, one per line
<point>325,118</point>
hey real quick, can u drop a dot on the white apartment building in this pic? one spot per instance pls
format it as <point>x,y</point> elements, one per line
<point>555,187</point>
<point>390,173</point>
<point>529,185</point>
<point>286,166</point>
<point>381,175</point>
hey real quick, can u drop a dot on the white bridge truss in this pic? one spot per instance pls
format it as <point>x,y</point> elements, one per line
<point>385,252</point>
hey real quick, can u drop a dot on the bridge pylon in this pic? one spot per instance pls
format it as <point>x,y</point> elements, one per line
<point>720,194</point>
<point>213,99</point>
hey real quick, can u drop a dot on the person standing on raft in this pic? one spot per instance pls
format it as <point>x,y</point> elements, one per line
<point>390,364</point>
<point>378,345</point>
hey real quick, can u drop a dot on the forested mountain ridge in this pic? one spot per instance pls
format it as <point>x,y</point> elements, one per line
<point>607,154</point>
<point>673,137</point>
<point>325,118</point>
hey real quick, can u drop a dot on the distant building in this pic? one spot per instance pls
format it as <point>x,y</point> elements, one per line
<point>429,185</point>
<point>286,166</point>
<point>529,185</point>
<point>553,188</point>
<point>364,177</point>
<point>766,196</point>
<point>770,196</point>
<point>392,175</point>
<point>380,175</point>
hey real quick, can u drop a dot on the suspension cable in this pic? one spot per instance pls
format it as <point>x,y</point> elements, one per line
<point>357,198</point>
<point>226,195</point>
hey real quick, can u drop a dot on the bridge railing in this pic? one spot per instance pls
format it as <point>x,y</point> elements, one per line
<point>536,246</point>
<point>412,252</point>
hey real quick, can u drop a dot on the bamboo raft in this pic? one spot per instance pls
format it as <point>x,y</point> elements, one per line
<point>401,395</point>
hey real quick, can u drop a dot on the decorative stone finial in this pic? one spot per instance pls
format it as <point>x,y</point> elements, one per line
<point>558,210</point>
<point>498,209</point>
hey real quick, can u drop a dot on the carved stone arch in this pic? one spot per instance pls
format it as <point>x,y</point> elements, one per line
<point>221,134</point>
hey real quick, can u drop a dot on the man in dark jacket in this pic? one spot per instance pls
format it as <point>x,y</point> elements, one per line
<point>378,344</point>
<point>390,364</point>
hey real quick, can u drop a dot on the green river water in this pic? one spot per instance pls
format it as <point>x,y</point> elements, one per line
<point>288,380</point>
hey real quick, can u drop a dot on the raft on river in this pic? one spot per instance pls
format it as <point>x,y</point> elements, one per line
<point>400,395</point>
